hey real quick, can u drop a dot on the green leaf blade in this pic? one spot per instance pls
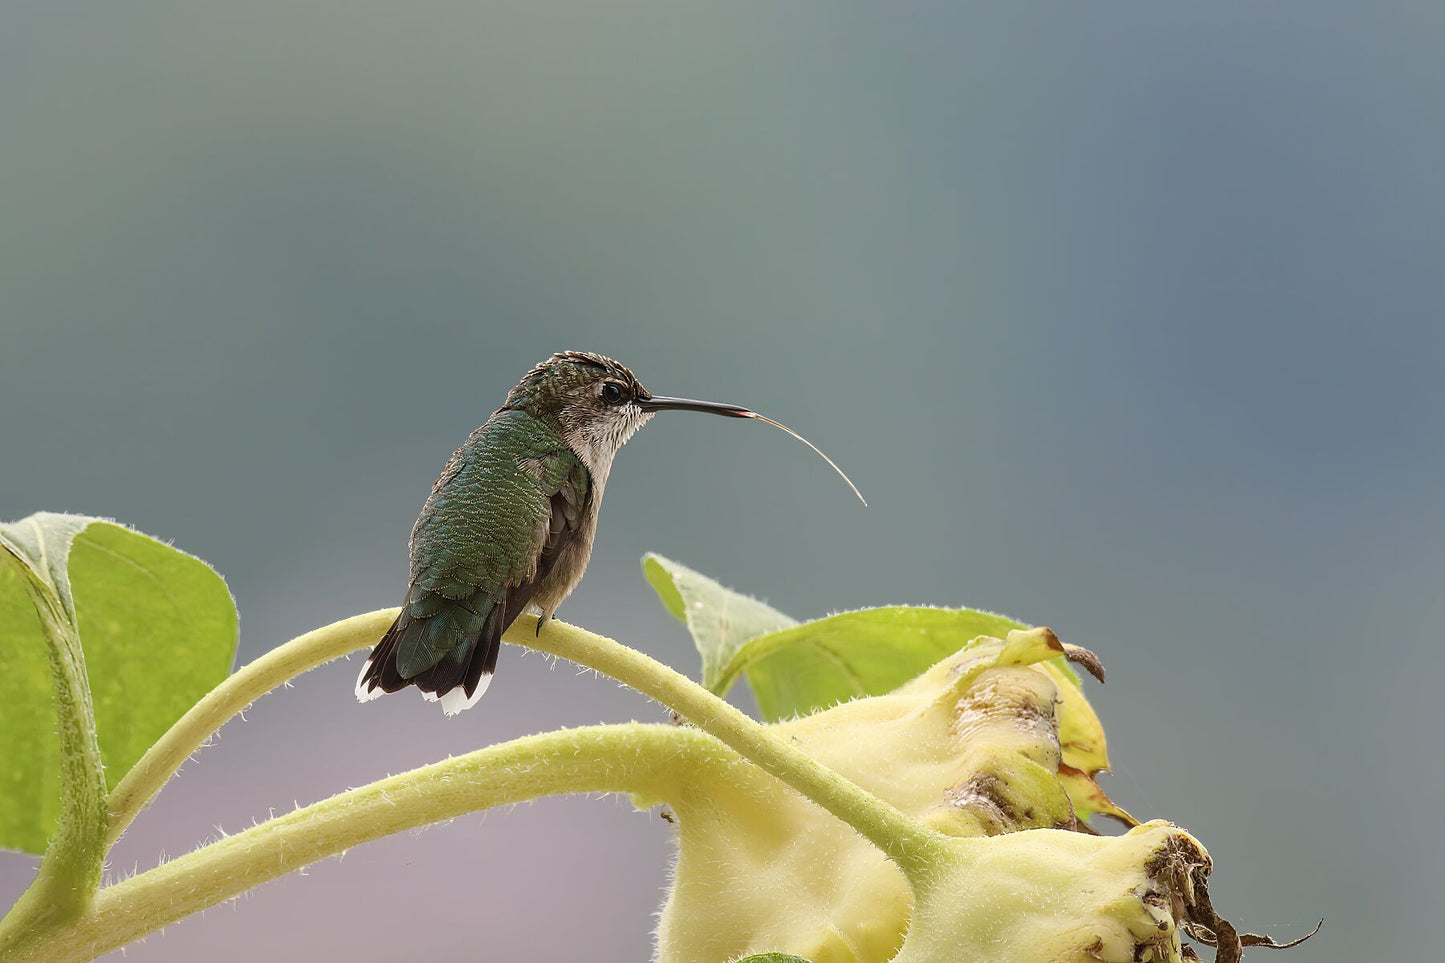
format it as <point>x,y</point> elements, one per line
<point>867,652</point>
<point>157,629</point>
<point>798,668</point>
<point>27,718</point>
<point>721,621</point>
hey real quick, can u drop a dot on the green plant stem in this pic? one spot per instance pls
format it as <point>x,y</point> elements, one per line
<point>634,759</point>
<point>914,847</point>
<point>70,871</point>
<point>902,838</point>
<point>647,760</point>
<point>243,687</point>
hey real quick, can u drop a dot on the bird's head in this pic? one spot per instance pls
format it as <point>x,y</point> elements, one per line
<point>597,403</point>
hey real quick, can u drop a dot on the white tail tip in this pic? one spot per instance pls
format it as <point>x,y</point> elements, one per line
<point>455,700</point>
<point>365,693</point>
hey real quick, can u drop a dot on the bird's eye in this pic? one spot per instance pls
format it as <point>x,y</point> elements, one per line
<point>613,394</point>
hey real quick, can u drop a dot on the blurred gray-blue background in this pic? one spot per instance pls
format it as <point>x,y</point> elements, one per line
<point>1124,316</point>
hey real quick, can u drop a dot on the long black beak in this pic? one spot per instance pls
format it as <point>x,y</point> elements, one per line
<point>660,403</point>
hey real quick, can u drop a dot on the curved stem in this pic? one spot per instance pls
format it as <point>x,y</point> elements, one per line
<point>903,839</point>
<point>243,687</point>
<point>907,842</point>
<point>71,869</point>
<point>631,759</point>
<point>634,758</point>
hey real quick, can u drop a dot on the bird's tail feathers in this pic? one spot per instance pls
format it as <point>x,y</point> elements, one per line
<point>460,675</point>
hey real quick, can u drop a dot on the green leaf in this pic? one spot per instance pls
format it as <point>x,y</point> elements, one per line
<point>721,621</point>
<point>795,669</point>
<point>868,652</point>
<point>26,782</point>
<point>158,630</point>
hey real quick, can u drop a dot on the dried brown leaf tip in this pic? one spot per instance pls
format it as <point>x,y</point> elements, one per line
<point>1184,870</point>
<point>1076,654</point>
<point>1203,934</point>
<point>1254,939</point>
<point>1081,656</point>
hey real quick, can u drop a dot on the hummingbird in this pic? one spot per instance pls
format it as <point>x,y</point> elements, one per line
<point>509,523</point>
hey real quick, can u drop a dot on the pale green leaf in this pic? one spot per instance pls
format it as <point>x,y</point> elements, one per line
<point>157,628</point>
<point>795,668</point>
<point>868,652</point>
<point>721,621</point>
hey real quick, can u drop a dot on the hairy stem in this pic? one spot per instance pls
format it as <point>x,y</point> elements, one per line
<point>74,860</point>
<point>644,760</point>
<point>240,689</point>
<point>648,760</point>
<point>900,837</point>
<point>907,842</point>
